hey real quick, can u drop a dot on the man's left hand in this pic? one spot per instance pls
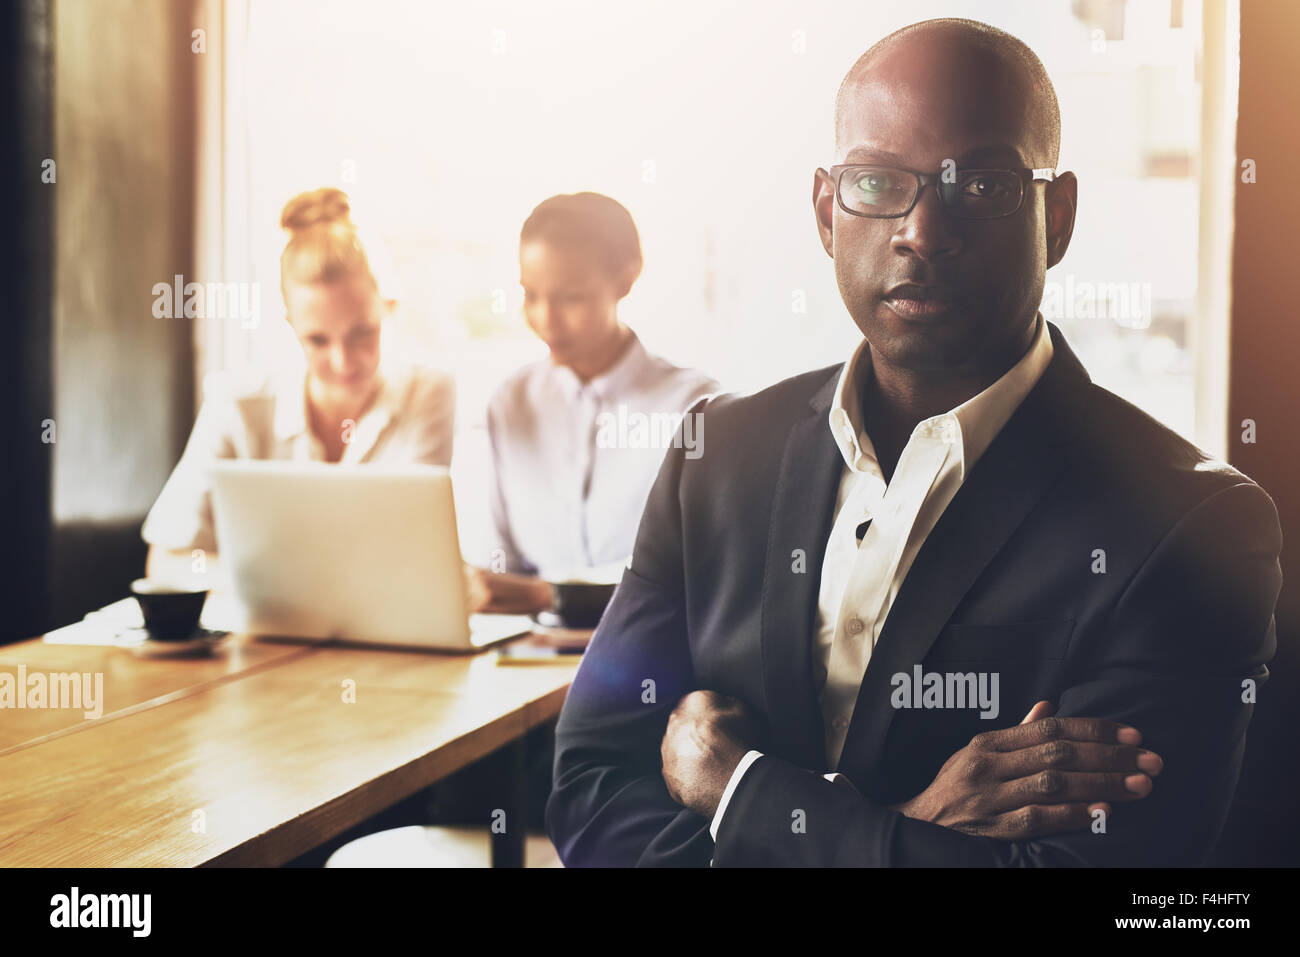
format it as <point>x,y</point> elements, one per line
<point>707,735</point>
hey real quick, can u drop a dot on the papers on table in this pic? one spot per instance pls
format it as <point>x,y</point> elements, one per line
<point>545,645</point>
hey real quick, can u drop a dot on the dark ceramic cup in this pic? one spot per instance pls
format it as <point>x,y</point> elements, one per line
<point>171,612</point>
<point>580,604</point>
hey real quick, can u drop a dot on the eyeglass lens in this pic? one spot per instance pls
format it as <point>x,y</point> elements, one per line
<point>973,194</point>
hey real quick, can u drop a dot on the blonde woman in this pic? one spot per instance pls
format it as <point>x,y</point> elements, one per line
<point>343,406</point>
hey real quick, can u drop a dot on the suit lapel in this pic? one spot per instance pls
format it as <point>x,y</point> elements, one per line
<point>1022,463</point>
<point>802,512</point>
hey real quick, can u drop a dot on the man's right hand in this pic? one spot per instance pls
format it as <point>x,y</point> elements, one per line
<point>1044,776</point>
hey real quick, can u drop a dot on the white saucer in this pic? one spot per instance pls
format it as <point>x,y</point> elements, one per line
<point>201,643</point>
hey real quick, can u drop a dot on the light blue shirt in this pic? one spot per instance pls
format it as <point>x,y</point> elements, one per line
<point>573,462</point>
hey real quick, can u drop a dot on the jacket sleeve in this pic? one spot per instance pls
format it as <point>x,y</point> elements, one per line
<point>181,518</point>
<point>609,805</point>
<point>1185,645</point>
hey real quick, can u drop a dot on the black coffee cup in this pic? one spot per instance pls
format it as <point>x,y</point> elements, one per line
<point>171,612</point>
<point>580,604</point>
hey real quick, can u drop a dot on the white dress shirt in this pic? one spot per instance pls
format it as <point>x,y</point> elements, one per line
<point>573,462</point>
<point>860,582</point>
<point>411,421</point>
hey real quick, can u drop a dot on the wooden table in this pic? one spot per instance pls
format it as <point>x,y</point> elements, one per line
<point>251,757</point>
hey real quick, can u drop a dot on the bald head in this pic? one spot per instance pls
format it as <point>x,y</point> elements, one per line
<point>947,300</point>
<point>948,74</point>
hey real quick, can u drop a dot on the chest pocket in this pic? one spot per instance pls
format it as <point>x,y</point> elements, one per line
<point>1019,641</point>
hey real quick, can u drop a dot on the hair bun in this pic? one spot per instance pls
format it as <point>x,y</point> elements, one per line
<point>325,205</point>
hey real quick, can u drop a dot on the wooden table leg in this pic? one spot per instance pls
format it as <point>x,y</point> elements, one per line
<point>508,840</point>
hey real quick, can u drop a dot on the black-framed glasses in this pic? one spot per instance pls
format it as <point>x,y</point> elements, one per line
<point>885,192</point>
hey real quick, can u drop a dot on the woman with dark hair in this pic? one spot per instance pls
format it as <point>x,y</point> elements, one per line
<point>570,478</point>
<point>568,481</point>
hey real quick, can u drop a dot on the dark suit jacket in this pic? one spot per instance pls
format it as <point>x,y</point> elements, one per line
<point>1007,582</point>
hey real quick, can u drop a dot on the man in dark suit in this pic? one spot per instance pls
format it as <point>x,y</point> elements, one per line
<point>835,617</point>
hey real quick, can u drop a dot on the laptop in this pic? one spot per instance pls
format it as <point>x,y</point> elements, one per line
<point>357,553</point>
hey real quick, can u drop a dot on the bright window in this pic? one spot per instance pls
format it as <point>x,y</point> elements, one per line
<point>447,122</point>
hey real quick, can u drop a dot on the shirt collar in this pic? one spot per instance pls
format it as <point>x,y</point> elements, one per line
<point>614,381</point>
<point>291,404</point>
<point>972,425</point>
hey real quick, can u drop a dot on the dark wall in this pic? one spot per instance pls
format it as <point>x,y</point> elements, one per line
<point>26,280</point>
<point>125,120</point>
<point>107,91</point>
<point>1264,385</point>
